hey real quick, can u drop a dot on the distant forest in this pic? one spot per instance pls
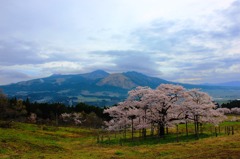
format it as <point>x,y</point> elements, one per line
<point>231,104</point>
<point>49,113</point>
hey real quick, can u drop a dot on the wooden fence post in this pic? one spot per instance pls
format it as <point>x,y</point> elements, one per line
<point>120,141</point>
<point>216,131</point>
<point>177,133</point>
<point>98,138</point>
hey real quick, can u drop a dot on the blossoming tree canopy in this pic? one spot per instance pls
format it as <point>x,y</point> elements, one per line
<point>166,105</point>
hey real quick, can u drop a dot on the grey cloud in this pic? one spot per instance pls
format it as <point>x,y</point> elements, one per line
<point>210,48</point>
<point>233,10</point>
<point>133,60</point>
<point>202,66</point>
<point>142,63</point>
<point>230,60</point>
<point>18,52</point>
<point>230,25</point>
<point>171,37</point>
<point>211,70</point>
<point>9,76</point>
<point>233,14</point>
<point>115,53</point>
<point>177,36</point>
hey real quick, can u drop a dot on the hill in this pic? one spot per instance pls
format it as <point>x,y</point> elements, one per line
<point>99,88</point>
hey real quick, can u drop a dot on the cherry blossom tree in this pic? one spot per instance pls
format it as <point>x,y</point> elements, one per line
<point>167,105</point>
<point>119,114</point>
<point>224,110</point>
<point>148,106</point>
<point>199,108</point>
<point>140,107</point>
<point>75,118</point>
<point>235,110</point>
<point>164,105</point>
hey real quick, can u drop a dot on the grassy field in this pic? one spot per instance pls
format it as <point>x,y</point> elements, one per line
<point>38,141</point>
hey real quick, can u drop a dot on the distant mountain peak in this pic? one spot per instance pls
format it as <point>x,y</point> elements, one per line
<point>99,72</point>
<point>96,74</point>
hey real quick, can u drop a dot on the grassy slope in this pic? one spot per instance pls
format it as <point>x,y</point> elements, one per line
<point>32,141</point>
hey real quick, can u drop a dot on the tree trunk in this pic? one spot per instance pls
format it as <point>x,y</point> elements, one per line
<point>161,130</point>
<point>132,129</point>
<point>125,132</point>
<point>144,131</point>
<point>216,132</point>
<point>197,127</point>
<point>56,119</point>
<point>177,133</point>
<point>152,130</point>
<point>162,125</point>
<point>186,128</point>
<point>201,128</point>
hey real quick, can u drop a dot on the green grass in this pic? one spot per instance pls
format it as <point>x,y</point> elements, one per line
<point>33,141</point>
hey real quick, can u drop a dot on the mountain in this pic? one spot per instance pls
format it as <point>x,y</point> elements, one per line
<point>98,88</point>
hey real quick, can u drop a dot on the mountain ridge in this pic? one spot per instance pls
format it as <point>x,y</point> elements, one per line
<point>98,88</point>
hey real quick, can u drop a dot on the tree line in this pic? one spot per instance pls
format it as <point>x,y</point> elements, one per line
<point>231,104</point>
<point>50,113</point>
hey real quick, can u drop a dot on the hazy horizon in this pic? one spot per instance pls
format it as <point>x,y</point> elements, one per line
<point>188,41</point>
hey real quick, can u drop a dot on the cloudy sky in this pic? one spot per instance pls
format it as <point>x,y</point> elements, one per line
<point>190,41</point>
